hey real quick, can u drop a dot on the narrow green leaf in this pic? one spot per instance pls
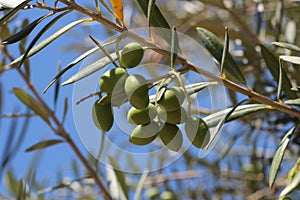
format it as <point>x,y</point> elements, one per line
<point>293,102</point>
<point>13,12</point>
<point>31,103</point>
<point>215,134</point>
<point>287,46</point>
<point>11,182</point>
<point>151,6</point>
<point>90,69</point>
<point>43,145</point>
<point>278,156</point>
<point>48,40</point>
<point>215,48</point>
<point>273,65</point>
<point>56,91</point>
<point>225,50</point>
<point>157,19</point>
<point>120,176</point>
<point>241,111</point>
<point>24,32</point>
<point>66,105</point>
<point>104,51</point>
<point>174,46</point>
<point>292,186</point>
<point>279,89</point>
<point>21,190</point>
<point>291,59</point>
<point>70,65</point>
<point>37,37</point>
<point>140,186</point>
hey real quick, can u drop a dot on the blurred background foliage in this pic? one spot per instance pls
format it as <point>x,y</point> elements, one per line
<point>238,168</point>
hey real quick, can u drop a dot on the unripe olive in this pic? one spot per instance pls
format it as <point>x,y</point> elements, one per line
<point>171,136</point>
<point>110,78</point>
<point>131,55</point>
<point>141,116</point>
<point>172,99</point>
<point>102,116</point>
<point>167,195</point>
<point>173,117</point>
<point>197,132</point>
<point>152,193</point>
<point>136,89</point>
<point>144,134</point>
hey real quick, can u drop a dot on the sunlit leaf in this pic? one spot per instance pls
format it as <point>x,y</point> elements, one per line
<point>278,156</point>
<point>292,186</point>
<point>293,102</point>
<point>241,111</point>
<point>70,65</point>
<point>215,48</point>
<point>31,103</point>
<point>37,37</point>
<point>48,40</point>
<point>21,190</point>
<point>279,89</point>
<point>287,46</point>
<point>225,50</point>
<point>99,64</point>
<point>13,12</point>
<point>140,185</point>
<point>291,59</point>
<point>273,65</point>
<point>120,176</point>
<point>157,19</point>
<point>118,8</point>
<point>24,32</point>
<point>43,145</point>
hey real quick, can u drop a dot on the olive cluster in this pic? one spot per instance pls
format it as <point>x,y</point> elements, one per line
<point>152,119</point>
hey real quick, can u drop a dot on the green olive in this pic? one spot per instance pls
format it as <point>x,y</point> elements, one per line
<point>136,89</point>
<point>131,55</point>
<point>171,136</point>
<point>141,116</point>
<point>152,192</point>
<point>172,117</point>
<point>110,78</point>
<point>172,99</point>
<point>167,195</point>
<point>197,132</point>
<point>102,116</point>
<point>144,134</point>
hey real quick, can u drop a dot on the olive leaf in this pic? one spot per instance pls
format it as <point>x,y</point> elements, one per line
<point>140,185</point>
<point>293,102</point>
<point>287,46</point>
<point>174,46</point>
<point>215,48</point>
<point>118,8</point>
<point>48,40</point>
<point>13,12</point>
<point>24,32</point>
<point>119,175</point>
<point>291,59</point>
<point>225,50</point>
<point>92,68</point>
<point>273,65</point>
<point>31,103</point>
<point>43,145</point>
<point>292,186</point>
<point>157,19</point>
<point>241,111</point>
<point>278,156</point>
<point>70,65</point>
<point>37,37</point>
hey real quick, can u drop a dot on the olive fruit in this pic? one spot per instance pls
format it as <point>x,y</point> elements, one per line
<point>144,134</point>
<point>197,132</point>
<point>110,78</point>
<point>131,55</point>
<point>172,99</point>
<point>102,116</point>
<point>171,136</point>
<point>172,117</point>
<point>152,192</point>
<point>136,89</point>
<point>141,116</point>
<point>167,195</point>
